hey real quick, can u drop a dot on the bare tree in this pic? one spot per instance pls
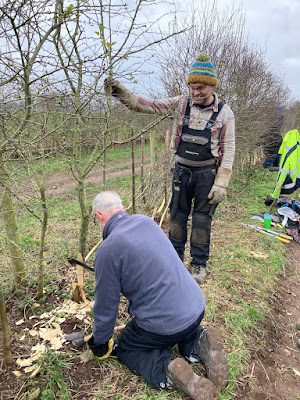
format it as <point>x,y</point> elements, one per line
<point>102,39</point>
<point>26,27</point>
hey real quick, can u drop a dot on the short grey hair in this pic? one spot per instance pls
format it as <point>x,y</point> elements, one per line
<point>107,201</point>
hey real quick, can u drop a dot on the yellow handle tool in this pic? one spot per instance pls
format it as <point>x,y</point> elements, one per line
<point>274,236</point>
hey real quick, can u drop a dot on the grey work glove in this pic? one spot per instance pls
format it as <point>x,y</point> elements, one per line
<point>125,96</point>
<point>219,189</point>
<point>114,87</point>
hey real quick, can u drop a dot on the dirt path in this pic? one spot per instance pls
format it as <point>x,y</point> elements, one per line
<point>61,183</point>
<point>274,367</point>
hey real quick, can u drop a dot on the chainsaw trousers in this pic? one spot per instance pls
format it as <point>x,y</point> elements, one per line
<point>193,185</point>
<point>148,354</point>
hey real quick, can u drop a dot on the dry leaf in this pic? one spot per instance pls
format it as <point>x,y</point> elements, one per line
<point>34,369</point>
<point>57,343</point>
<point>35,372</point>
<point>25,362</point>
<point>34,395</point>
<point>30,369</point>
<point>296,372</point>
<point>50,333</point>
<point>37,351</point>
<point>33,332</point>
<point>17,373</point>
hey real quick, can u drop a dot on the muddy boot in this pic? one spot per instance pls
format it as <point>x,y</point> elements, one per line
<point>209,350</point>
<point>182,377</point>
<point>199,273</point>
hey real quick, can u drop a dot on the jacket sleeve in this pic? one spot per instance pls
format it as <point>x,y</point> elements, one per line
<point>107,294</point>
<point>143,104</point>
<point>227,139</point>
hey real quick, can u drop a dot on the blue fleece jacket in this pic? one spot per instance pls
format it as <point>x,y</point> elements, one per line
<point>137,259</point>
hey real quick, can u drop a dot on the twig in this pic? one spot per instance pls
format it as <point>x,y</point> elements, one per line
<point>264,369</point>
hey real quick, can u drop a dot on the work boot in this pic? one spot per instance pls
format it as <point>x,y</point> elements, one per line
<point>209,350</point>
<point>182,377</point>
<point>199,273</point>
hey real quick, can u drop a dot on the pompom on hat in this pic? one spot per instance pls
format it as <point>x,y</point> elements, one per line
<point>203,71</point>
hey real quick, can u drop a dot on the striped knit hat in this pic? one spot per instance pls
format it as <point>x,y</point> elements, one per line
<point>203,71</point>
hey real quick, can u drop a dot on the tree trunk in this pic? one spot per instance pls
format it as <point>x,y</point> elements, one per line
<point>11,229</point>
<point>42,243</point>
<point>85,215</point>
<point>5,331</point>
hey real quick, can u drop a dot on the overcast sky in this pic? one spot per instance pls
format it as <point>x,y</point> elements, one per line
<point>275,26</point>
<point>277,23</point>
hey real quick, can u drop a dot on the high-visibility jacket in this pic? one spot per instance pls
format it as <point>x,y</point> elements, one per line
<point>288,179</point>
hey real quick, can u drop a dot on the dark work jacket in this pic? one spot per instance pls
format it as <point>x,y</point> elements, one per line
<point>137,259</point>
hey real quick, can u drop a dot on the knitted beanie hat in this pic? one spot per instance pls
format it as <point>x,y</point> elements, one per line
<point>203,71</point>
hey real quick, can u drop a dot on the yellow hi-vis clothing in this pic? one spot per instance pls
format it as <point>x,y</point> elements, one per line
<point>288,179</point>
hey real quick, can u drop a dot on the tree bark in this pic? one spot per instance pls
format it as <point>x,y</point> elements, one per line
<point>42,243</point>
<point>11,229</point>
<point>5,331</point>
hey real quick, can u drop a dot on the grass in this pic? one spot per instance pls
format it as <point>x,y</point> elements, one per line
<point>52,367</point>
<point>244,271</point>
<point>63,163</point>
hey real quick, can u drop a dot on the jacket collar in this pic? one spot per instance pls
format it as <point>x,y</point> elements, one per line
<point>113,222</point>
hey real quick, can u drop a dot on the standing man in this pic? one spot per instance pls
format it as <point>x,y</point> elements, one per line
<point>204,143</point>
<point>137,259</point>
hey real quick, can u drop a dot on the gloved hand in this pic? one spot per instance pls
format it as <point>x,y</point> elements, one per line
<point>114,87</point>
<point>103,350</point>
<point>219,189</point>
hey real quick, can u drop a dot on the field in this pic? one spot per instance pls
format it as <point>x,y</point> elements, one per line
<point>252,295</point>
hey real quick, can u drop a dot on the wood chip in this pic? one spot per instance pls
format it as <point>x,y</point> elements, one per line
<point>17,373</point>
<point>25,362</point>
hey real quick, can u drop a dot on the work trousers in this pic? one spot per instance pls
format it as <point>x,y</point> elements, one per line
<point>148,354</point>
<point>193,185</point>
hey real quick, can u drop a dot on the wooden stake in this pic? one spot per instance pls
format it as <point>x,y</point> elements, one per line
<point>142,165</point>
<point>273,204</point>
<point>133,173</point>
<point>78,294</point>
<point>166,165</point>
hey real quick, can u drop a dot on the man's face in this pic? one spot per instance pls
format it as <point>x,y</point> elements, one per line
<point>97,218</point>
<point>200,93</point>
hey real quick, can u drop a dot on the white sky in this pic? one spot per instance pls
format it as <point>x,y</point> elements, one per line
<point>275,24</point>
